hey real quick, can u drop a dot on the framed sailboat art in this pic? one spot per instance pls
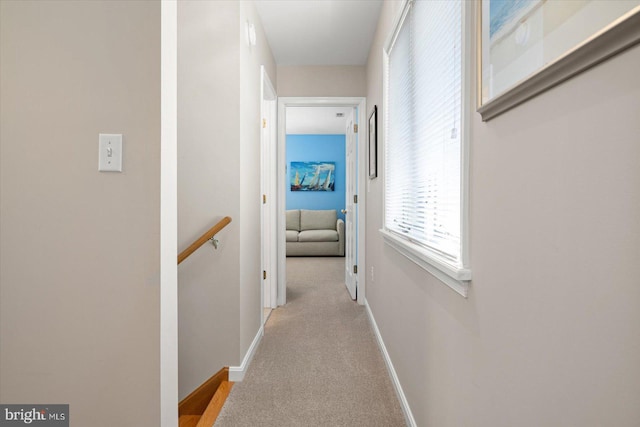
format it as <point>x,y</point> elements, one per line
<point>313,176</point>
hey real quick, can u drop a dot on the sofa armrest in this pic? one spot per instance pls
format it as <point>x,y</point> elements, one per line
<point>340,229</point>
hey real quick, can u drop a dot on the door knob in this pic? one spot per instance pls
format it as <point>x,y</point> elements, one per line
<point>344,211</point>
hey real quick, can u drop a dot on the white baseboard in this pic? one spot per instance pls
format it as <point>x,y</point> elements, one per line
<point>236,373</point>
<point>408,415</point>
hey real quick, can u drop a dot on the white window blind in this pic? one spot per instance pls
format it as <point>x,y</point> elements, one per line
<point>423,154</point>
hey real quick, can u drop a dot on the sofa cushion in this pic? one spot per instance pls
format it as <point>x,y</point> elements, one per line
<point>318,236</point>
<point>293,220</point>
<point>292,236</point>
<point>318,220</point>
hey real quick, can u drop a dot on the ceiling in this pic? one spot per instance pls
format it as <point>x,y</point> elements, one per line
<point>316,120</point>
<point>319,32</point>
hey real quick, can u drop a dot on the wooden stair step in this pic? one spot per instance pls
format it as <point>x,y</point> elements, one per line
<point>198,400</point>
<point>202,406</point>
<point>215,406</point>
<point>189,420</point>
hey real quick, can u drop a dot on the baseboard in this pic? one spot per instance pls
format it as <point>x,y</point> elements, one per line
<point>236,373</point>
<point>408,415</point>
<point>196,402</point>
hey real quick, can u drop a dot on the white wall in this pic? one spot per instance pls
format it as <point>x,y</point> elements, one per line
<point>208,160</point>
<point>80,249</point>
<point>251,58</point>
<point>549,333</point>
<point>339,80</point>
<point>218,175</point>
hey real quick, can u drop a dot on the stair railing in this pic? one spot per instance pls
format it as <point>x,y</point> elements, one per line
<point>209,235</point>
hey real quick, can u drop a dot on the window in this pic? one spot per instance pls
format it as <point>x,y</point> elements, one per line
<point>425,164</point>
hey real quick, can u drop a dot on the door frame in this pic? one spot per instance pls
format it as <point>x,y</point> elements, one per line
<point>361,104</point>
<point>169,214</point>
<point>268,179</point>
<point>351,233</point>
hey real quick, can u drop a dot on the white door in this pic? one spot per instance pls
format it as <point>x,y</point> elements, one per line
<point>351,278</point>
<point>268,150</point>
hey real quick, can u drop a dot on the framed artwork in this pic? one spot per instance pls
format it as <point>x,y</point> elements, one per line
<point>528,46</point>
<point>373,143</point>
<point>313,176</point>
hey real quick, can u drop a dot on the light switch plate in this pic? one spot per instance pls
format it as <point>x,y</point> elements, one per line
<point>110,152</point>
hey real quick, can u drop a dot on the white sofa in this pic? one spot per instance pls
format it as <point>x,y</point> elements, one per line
<point>314,233</point>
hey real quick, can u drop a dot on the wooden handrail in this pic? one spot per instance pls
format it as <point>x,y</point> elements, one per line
<point>204,238</point>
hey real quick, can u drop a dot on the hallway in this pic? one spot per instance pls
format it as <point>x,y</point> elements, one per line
<point>318,363</point>
<point>541,326</point>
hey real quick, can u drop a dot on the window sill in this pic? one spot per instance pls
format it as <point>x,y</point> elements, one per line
<point>457,279</point>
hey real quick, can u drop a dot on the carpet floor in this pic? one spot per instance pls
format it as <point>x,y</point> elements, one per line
<point>318,363</point>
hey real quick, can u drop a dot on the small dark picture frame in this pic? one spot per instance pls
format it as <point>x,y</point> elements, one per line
<point>373,143</point>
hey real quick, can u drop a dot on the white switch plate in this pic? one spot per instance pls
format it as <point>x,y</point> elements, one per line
<point>110,152</point>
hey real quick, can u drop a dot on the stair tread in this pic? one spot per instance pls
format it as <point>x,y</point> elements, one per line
<point>189,420</point>
<point>215,406</point>
<point>196,402</point>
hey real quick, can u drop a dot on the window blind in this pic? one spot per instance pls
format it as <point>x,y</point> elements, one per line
<point>423,141</point>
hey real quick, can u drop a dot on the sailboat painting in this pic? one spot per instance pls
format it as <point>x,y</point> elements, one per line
<point>313,176</point>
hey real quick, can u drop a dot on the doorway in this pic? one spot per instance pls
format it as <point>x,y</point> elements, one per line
<point>356,176</point>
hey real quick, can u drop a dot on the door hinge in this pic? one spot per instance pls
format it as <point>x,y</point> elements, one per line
<point>264,123</point>
<point>355,198</point>
<point>264,274</point>
<point>355,269</point>
<point>355,128</point>
<point>264,199</point>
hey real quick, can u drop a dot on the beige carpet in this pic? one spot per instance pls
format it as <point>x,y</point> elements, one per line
<point>318,363</point>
